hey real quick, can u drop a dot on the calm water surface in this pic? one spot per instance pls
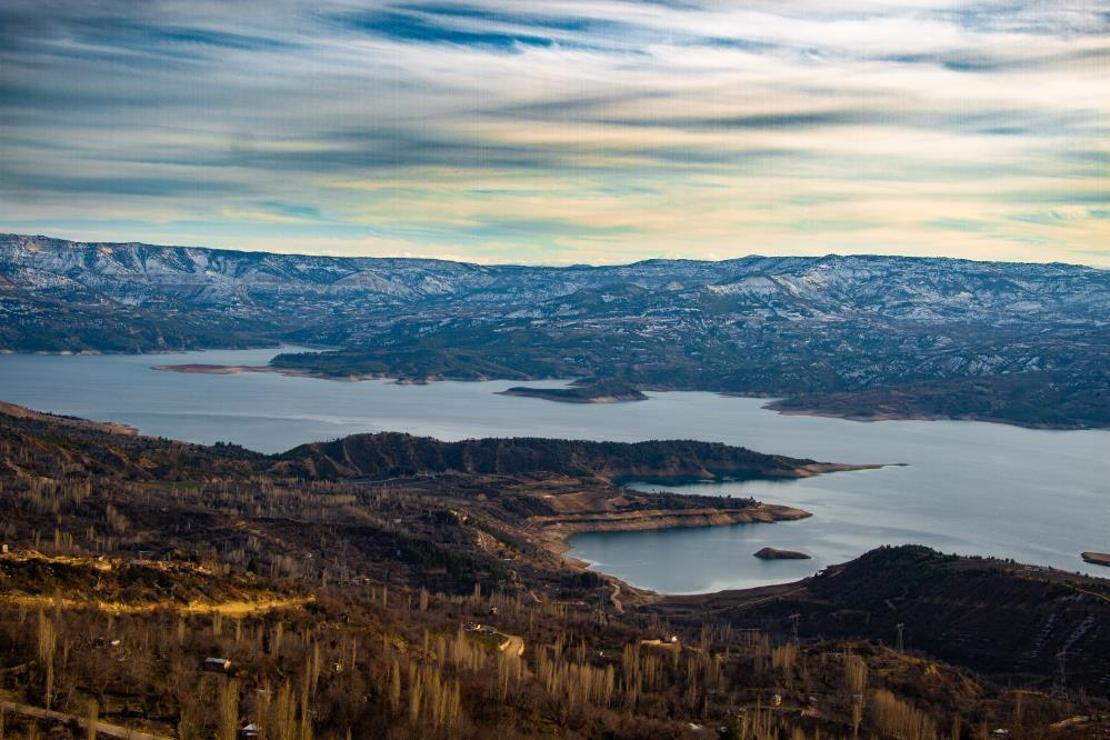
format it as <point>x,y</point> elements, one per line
<point>1036,496</point>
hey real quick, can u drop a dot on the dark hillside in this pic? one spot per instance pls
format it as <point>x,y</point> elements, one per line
<point>993,615</point>
<point>1007,619</point>
<point>109,451</point>
<point>392,454</point>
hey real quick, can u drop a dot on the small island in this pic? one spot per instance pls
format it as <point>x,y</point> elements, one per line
<point>590,391</point>
<point>1097,558</point>
<point>772,553</point>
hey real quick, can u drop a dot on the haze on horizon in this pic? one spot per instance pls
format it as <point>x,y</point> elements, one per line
<point>562,131</point>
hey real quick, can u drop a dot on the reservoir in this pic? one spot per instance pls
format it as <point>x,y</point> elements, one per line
<point>1036,496</point>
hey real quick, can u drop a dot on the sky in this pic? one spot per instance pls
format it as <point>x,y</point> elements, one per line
<point>562,131</point>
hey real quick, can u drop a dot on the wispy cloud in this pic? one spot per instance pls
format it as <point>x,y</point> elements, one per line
<point>562,130</point>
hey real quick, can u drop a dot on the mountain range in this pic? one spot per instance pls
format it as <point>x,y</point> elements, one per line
<point>857,336</point>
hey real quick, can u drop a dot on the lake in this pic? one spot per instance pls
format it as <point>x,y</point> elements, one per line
<point>1036,496</point>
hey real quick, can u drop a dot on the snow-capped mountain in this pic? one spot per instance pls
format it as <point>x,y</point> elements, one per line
<point>829,288</point>
<point>767,325</point>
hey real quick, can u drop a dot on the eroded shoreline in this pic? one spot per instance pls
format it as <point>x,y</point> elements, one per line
<point>554,533</point>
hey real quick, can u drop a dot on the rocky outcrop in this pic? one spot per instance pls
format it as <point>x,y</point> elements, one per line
<point>773,553</point>
<point>606,391</point>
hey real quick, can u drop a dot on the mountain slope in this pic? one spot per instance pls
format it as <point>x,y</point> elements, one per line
<point>814,287</point>
<point>783,326</point>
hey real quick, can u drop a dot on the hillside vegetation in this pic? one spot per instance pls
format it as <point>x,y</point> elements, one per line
<point>392,454</point>
<point>342,606</point>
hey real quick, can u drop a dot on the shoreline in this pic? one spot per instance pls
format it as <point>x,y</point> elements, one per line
<point>556,531</point>
<point>873,418</point>
<point>200,368</point>
<point>111,427</point>
<point>770,405</point>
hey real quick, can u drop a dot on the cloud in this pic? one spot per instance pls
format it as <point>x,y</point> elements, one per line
<point>562,130</point>
<point>26,184</point>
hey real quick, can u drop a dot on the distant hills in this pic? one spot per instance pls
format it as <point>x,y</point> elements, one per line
<point>857,336</point>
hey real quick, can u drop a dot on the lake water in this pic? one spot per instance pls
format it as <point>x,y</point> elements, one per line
<point>1039,497</point>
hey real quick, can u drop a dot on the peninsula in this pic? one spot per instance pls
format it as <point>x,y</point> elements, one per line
<point>1097,558</point>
